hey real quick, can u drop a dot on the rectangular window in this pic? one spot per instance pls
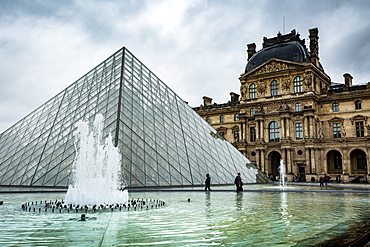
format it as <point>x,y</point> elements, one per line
<point>298,107</point>
<point>361,160</point>
<point>252,133</point>
<point>336,130</point>
<point>360,131</point>
<point>358,105</point>
<point>298,131</point>
<point>251,112</point>
<point>335,107</point>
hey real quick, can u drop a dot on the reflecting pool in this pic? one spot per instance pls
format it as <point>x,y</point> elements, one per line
<point>218,218</point>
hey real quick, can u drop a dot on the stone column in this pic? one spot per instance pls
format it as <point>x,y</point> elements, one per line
<point>258,161</point>
<point>258,130</point>
<point>305,127</point>
<point>282,120</point>
<point>289,161</point>
<point>324,161</point>
<point>313,161</point>
<point>318,162</point>
<point>288,128</point>
<point>263,137</point>
<point>241,124</point>
<point>263,161</point>
<point>346,161</point>
<point>283,157</point>
<point>308,160</point>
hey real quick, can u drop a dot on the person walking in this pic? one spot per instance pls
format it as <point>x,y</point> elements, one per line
<point>208,182</point>
<point>238,183</point>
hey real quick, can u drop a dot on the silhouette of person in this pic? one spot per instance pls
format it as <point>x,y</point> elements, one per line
<point>238,182</point>
<point>208,182</point>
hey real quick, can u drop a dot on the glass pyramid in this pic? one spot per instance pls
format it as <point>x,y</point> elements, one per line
<point>163,142</point>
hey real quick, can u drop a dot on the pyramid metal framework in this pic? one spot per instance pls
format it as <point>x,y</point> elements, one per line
<point>163,142</point>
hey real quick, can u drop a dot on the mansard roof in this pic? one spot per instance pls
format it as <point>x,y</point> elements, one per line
<point>287,47</point>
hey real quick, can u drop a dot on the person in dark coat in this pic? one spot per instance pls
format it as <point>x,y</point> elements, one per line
<point>238,182</point>
<point>208,182</point>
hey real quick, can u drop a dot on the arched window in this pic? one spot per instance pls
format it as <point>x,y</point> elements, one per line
<point>252,91</point>
<point>251,112</point>
<point>298,107</point>
<point>274,132</point>
<point>298,84</point>
<point>274,87</point>
<point>358,105</point>
<point>222,118</point>
<point>208,120</point>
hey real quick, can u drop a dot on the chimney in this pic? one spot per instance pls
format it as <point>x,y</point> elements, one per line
<point>251,50</point>
<point>314,46</point>
<point>234,97</point>
<point>207,101</point>
<point>347,80</point>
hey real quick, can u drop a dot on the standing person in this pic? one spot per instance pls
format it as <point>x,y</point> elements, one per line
<point>321,181</point>
<point>208,182</point>
<point>238,183</point>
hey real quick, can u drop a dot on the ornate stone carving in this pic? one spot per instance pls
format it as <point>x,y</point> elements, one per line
<point>259,109</point>
<point>285,85</point>
<point>308,81</point>
<point>243,91</point>
<point>275,106</point>
<point>368,129</point>
<point>261,88</point>
<point>273,66</point>
<point>284,107</point>
<point>321,133</point>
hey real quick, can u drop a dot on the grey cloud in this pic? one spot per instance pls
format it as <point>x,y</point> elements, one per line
<point>47,45</point>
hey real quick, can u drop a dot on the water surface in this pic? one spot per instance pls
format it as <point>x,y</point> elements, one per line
<point>222,218</point>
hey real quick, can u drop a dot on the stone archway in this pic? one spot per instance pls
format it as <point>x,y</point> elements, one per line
<point>274,163</point>
<point>334,162</point>
<point>358,161</point>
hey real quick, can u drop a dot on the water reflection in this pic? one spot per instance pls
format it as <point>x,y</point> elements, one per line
<point>239,201</point>
<point>216,218</point>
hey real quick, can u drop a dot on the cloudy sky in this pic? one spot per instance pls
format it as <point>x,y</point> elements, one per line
<point>197,47</point>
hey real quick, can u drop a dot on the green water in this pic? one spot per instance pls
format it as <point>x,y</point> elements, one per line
<point>209,219</point>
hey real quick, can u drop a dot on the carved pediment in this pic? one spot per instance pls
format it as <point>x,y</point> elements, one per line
<point>335,120</point>
<point>273,65</point>
<point>358,118</point>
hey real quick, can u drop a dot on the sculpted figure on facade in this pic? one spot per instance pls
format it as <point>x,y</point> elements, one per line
<point>368,129</point>
<point>259,109</point>
<point>308,79</point>
<point>243,91</point>
<point>261,88</point>
<point>285,85</point>
<point>284,107</point>
<point>344,133</point>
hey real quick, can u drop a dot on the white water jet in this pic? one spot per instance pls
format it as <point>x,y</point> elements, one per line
<point>282,173</point>
<point>96,168</point>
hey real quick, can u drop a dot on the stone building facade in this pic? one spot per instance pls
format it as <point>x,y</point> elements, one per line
<point>289,110</point>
